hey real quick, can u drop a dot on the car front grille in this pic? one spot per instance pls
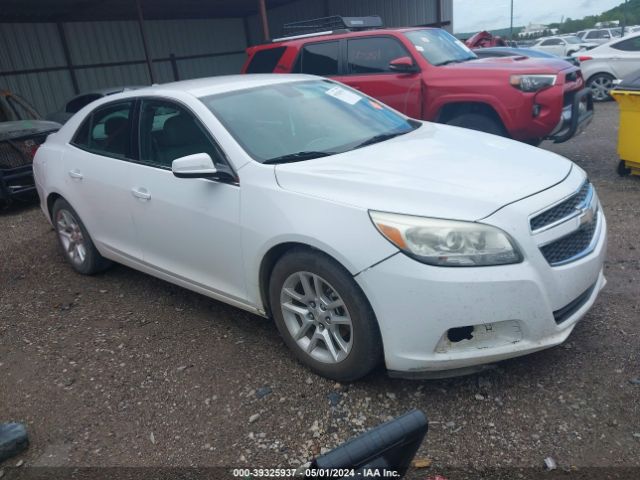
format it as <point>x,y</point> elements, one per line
<point>562,211</point>
<point>572,246</point>
<point>18,153</point>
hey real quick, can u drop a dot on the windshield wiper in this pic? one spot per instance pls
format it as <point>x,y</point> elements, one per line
<point>297,157</point>
<point>380,138</point>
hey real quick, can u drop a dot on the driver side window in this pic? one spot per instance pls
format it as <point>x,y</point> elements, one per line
<point>168,132</point>
<point>373,55</point>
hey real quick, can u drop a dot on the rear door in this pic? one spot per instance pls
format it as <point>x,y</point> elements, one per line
<point>367,67</point>
<point>97,172</point>
<point>626,56</point>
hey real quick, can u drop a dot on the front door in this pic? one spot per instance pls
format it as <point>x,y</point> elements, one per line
<point>189,228</point>
<point>367,68</point>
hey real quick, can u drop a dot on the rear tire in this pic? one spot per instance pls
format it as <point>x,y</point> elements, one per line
<point>478,122</point>
<point>324,317</point>
<point>600,85</point>
<point>75,242</point>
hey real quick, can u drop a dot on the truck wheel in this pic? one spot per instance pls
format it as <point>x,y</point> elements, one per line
<point>481,123</point>
<point>600,85</point>
<point>324,317</point>
<point>76,244</point>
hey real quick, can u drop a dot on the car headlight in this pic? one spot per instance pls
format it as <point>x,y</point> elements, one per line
<point>533,83</point>
<point>447,243</point>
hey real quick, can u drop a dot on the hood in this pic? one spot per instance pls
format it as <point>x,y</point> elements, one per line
<point>511,65</point>
<point>435,171</point>
<point>26,128</point>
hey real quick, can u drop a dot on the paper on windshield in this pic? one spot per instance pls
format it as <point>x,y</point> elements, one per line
<point>344,95</point>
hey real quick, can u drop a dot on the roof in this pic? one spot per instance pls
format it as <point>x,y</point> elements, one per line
<point>92,10</point>
<point>299,40</point>
<point>202,87</point>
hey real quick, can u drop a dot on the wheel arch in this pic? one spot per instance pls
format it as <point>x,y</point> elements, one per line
<point>51,200</point>
<point>271,258</point>
<point>451,110</point>
<point>600,72</point>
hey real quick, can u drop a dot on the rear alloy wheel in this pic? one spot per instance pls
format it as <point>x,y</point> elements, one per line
<point>323,316</point>
<point>77,246</point>
<point>601,86</point>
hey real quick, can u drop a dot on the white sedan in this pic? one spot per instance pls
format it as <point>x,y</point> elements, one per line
<point>562,46</point>
<point>603,65</point>
<point>369,237</point>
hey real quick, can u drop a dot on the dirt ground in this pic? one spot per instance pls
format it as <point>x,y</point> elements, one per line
<point>122,369</point>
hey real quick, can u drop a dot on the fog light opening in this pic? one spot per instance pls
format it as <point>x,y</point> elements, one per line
<point>457,335</point>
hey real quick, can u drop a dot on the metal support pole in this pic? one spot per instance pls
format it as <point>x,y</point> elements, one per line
<point>265,20</point>
<point>144,42</point>
<point>511,30</point>
<point>439,18</point>
<point>67,58</point>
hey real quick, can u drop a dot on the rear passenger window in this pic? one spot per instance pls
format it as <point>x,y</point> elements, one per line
<point>373,55</point>
<point>319,59</point>
<point>265,61</point>
<point>630,45</point>
<point>107,131</point>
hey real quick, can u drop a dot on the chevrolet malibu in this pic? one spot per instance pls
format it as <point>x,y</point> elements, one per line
<point>367,236</point>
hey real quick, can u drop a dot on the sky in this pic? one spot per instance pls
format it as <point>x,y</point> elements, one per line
<point>476,15</point>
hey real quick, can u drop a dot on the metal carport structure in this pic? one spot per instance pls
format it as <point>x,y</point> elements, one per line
<point>53,50</point>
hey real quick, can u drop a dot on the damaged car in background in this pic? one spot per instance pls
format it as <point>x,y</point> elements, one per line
<point>21,133</point>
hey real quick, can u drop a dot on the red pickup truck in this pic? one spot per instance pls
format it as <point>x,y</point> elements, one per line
<point>428,74</point>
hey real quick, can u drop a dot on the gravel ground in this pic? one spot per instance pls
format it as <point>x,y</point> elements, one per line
<point>122,369</point>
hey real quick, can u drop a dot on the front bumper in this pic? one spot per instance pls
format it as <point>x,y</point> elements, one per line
<point>510,308</point>
<point>576,116</point>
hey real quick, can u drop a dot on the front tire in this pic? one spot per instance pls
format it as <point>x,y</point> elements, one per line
<point>478,122</point>
<point>76,244</point>
<point>601,86</point>
<point>324,317</point>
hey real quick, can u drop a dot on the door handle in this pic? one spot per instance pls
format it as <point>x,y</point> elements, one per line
<point>76,174</point>
<point>141,193</point>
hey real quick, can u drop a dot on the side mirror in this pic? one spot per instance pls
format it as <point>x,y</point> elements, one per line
<point>199,165</point>
<point>403,65</point>
<point>385,451</point>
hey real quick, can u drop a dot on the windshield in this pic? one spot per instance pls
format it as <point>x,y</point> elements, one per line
<point>304,120</point>
<point>439,47</point>
<point>573,39</point>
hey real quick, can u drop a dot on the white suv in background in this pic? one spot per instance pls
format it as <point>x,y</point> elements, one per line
<point>599,35</point>
<point>605,64</point>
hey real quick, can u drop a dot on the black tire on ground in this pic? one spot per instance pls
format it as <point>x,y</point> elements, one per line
<point>623,171</point>
<point>366,351</point>
<point>600,84</point>
<point>93,262</point>
<point>479,122</point>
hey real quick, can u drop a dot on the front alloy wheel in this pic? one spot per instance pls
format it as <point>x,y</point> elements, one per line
<point>316,317</point>
<point>323,316</point>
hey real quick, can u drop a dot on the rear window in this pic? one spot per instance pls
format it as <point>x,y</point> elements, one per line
<point>319,59</point>
<point>265,61</point>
